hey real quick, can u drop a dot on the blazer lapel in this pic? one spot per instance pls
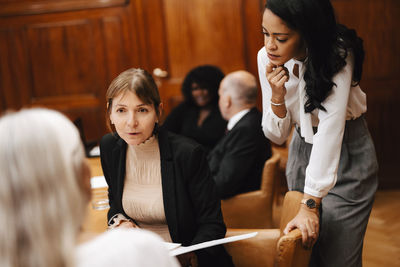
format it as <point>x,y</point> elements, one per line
<point>168,184</point>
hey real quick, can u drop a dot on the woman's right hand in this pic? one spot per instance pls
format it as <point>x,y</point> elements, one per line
<point>277,76</point>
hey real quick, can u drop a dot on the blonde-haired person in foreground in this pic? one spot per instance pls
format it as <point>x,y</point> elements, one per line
<point>44,191</point>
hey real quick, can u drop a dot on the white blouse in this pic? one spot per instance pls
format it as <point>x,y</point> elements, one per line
<point>344,103</point>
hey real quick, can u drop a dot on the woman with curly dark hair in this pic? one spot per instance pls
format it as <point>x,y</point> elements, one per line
<point>309,69</point>
<point>198,117</point>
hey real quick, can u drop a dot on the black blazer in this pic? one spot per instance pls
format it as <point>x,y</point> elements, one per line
<point>192,208</point>
<point>237,161</point>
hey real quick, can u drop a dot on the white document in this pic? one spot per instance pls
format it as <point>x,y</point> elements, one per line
<point>98,182</point>
<point>95,152</point>
<point>181,249</point>
<point>171,246</point>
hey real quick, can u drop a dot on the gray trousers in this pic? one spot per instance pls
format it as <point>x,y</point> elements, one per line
<point>346,208</point>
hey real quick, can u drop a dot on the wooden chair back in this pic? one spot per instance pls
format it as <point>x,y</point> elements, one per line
<point>270,248</point>
<point>253,209</point>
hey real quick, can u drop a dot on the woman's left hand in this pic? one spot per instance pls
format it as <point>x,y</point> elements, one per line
<point>307,221</point>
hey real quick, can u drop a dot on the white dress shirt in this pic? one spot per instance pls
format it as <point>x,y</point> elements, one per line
<point>343,103</point>
<point>236,118</point>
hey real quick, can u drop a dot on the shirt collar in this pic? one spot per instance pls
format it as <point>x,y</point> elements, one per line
<point>236,118</point>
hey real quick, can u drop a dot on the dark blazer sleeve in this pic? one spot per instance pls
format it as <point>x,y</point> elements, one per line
<point>207,207</point>
<point>203,194</point>
<point>192,206</point>
<point>108,147</point>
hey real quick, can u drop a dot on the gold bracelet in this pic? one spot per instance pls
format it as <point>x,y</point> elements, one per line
<point>277,104</point>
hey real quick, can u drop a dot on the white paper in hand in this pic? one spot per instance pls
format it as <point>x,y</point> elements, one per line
<point>181,249</point>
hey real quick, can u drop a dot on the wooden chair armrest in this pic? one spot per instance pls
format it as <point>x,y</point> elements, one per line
<point>256,251</point>
<point>262,233</point>
<point>293,235</point>
<point>244,197</point>
<point>290,250</point>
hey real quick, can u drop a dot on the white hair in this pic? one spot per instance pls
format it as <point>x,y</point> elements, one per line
<point>41,199</point>
<point>242,87</point>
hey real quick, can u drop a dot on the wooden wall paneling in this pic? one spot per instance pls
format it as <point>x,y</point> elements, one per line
<point>378,24</point>
<point>54,47</point>
<point>117,42</point>
<point>2,102</point>
<point>253,38</point>
<point>204,32</point>
<point>382,117</point>
<point>66,61</point>
<point>64,69</point>
<point>14,68</point>
<point>152,28</point>
<point>23,7</point>
<point>208,32</point>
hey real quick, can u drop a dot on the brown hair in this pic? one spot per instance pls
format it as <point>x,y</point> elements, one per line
<point>137,81</point>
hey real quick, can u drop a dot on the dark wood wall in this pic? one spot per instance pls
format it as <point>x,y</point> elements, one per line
<point>378,23</point>
<point>62,54</point>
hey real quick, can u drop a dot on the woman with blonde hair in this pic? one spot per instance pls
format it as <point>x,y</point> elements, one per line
<point>44,191</point>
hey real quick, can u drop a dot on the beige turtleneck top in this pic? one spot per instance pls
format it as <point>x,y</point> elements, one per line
<point>142,197</point>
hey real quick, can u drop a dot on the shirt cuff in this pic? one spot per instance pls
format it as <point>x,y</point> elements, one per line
<point>275,117</point>
<point>313,192</point>
<point>276,129</point>
<point>116,220</point>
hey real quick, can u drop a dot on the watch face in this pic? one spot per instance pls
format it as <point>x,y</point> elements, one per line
<point>311,203</point>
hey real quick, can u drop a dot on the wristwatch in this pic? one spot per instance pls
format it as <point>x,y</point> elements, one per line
<point>310,203</point>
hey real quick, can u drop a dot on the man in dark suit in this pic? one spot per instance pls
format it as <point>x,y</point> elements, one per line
<point>238,159</point>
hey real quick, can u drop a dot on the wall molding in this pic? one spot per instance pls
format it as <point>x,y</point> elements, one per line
<point>18,8</point>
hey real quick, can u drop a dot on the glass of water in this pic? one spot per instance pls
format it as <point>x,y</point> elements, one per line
<point>100,199</point>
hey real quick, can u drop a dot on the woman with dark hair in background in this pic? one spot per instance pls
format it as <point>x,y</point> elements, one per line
<point>198,117</point>
<point>309,69</point>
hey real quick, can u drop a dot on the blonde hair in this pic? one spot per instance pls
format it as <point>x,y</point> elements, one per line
<point>41,196</point>
<point>137,81</point>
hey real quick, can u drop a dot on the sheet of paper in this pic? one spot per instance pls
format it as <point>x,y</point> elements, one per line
<point>171,246</point>
<point>95,152</point>
<point>98,182</point>
<point>182,249</point>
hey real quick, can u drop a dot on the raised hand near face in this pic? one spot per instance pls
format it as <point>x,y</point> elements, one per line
<point>277,76</point>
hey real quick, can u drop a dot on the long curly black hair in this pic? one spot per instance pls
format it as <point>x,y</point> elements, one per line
<point>207,77</point>
<point>328,44</point>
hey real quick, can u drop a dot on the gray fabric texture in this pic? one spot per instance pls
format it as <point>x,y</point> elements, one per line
<point>346,208</point>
